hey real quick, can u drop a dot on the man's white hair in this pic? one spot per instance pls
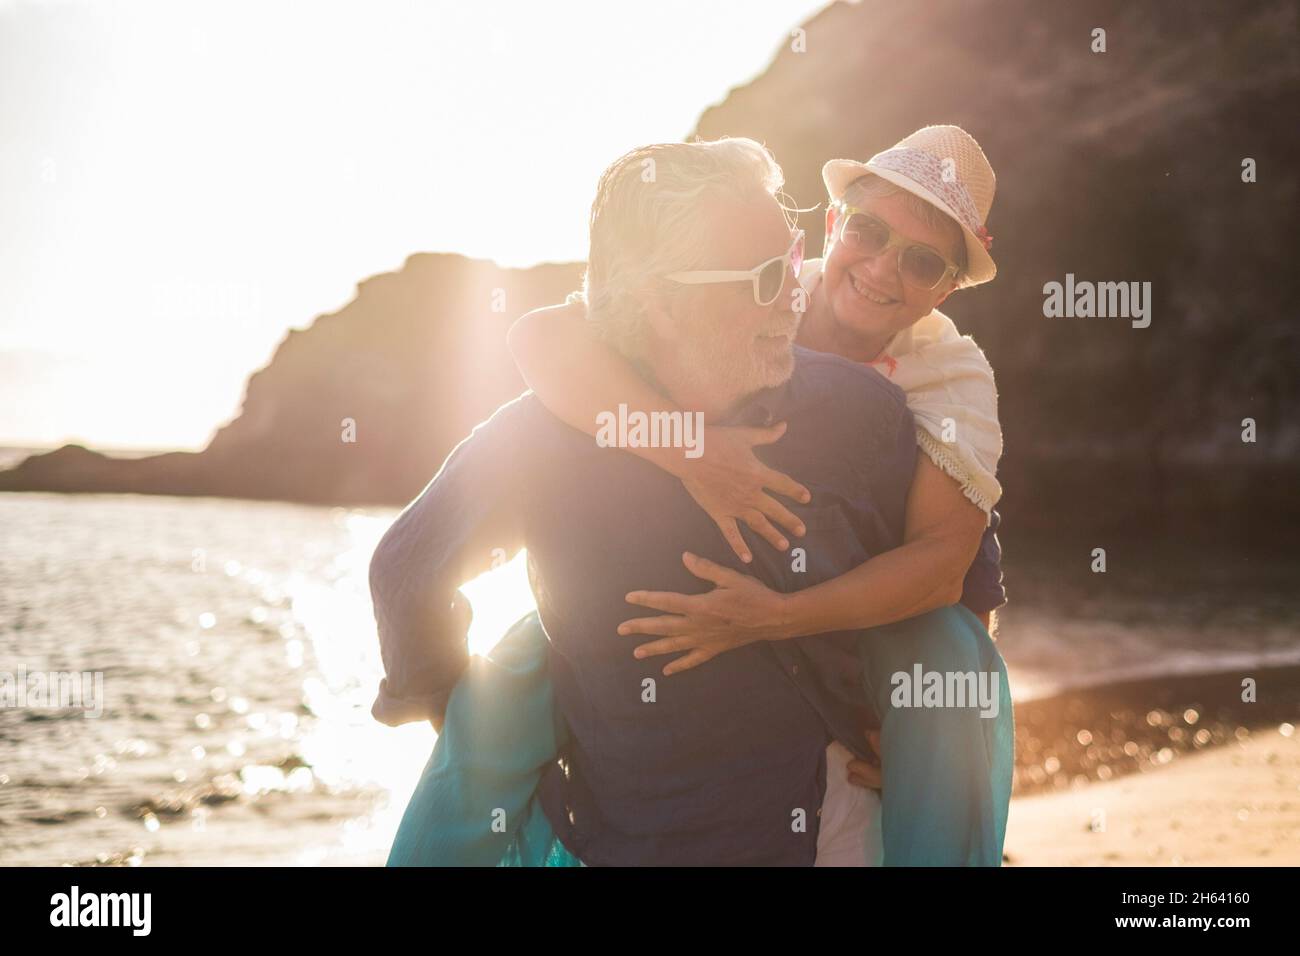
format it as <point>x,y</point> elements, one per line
<point>648,220</point>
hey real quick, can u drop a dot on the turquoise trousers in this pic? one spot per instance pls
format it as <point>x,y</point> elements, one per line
<point>946,769</point>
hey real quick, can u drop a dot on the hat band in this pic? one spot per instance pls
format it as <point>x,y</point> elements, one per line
<point>926,170</point>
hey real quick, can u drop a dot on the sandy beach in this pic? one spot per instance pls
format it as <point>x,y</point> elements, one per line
<point>1238,805</point>
<point>241,733</point>
<point>1168,771</point>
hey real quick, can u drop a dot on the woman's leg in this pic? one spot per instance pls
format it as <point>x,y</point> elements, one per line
<point>946,769</point>
<point>535,843</point>
<point>500,732</point>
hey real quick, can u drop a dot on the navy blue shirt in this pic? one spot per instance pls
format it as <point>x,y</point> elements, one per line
<point>716,767</point>
<point>982,590</point>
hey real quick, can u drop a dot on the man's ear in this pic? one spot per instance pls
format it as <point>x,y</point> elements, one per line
<point>658,311</point>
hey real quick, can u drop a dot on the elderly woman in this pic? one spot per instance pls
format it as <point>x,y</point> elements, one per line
<point>904,230</point>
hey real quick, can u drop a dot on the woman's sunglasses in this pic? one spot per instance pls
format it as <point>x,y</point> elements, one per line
<point>768,278</point>
<point>869,235</point>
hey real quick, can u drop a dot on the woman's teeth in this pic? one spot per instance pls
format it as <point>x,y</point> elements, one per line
<point>870,296</point>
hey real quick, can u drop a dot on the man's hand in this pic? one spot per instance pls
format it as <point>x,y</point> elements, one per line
<point>864,774</point>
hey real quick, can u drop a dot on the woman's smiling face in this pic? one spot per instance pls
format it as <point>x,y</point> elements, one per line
<point>867,296</point>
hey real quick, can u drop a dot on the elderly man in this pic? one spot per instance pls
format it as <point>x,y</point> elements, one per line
<point>720,765</point>
<point>904,230</point>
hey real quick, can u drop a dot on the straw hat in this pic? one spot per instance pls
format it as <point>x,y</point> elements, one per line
<point>945,167</point>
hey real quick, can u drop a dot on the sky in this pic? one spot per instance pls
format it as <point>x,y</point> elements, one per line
<point>182,182</point>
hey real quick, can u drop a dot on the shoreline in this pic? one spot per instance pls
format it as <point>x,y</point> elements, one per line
<point>1237,805</point>
<point>1106,732</point>
<point>1233,799</point>
<point>1160,772</point>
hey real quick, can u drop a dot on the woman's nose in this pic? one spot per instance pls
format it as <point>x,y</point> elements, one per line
<point>883,268</point>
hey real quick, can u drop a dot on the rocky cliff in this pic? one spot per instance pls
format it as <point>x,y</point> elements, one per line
<point>361,408</point>
<point>1117,166</point>
<point>1123,165</point>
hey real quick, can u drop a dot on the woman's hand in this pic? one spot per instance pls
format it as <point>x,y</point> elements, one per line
<point>738,611</point>
<point>731,484</point>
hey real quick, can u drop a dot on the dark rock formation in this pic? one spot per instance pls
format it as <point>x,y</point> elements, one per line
<point>415,361</point>
<point>1123,165</point>
<point>1115,166</point>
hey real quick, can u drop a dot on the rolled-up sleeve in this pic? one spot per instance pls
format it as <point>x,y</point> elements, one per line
<point>465,520</point>
<point>982,591</point>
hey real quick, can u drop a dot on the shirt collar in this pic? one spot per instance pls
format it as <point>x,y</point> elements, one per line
<point>767,406</point>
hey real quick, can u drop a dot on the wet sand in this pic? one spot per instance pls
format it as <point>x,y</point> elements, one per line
<point>1105,732</point>
<point>1169,772</point>
<point>1238,805</point>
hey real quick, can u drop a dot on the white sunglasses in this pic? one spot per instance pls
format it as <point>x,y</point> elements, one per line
<point>768,278</point>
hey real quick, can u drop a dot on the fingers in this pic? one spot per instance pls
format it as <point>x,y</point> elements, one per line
<point>694,659</point>
<point>768,434</point>
<point>731,532</point>
<point>668,645</point>
<point>783,484</point>
<point>669,601</point>
<point>709,570</point>
<point>863,774</point>
<point>663,624</point>
<point>781,515</point>
<point>675,645</point>
<point>758,522</point>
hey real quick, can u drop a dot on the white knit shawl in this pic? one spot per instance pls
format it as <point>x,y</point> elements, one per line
<point>952,395</point>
